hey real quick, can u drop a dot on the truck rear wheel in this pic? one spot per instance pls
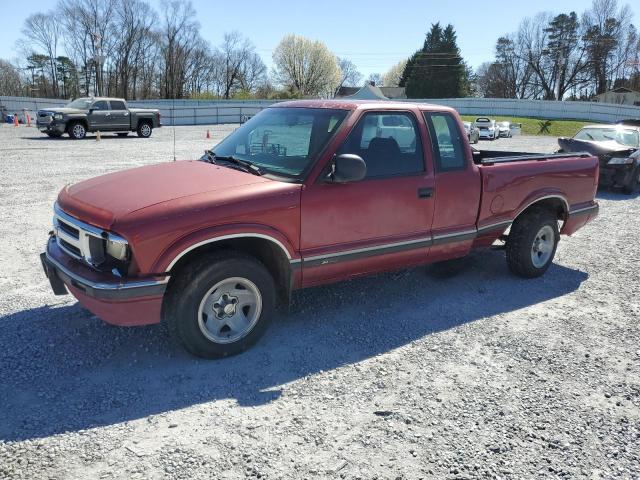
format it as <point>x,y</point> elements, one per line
<point>144,129</point>
<point>220,304</point>
<point>532,243</point>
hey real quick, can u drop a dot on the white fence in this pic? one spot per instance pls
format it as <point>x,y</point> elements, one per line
<point>543,109</point>
<point>209,112</point>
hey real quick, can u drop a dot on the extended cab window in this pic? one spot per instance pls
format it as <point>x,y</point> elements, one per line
<point>117,105</point>
<point>448,147</point>
<point>100,105</point>
<point>389,144</point>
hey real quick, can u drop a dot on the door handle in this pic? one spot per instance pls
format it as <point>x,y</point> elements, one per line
<point>425,192</point>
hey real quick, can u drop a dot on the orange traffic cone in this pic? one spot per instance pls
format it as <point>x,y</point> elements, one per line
<point>208,134</point>
<point>15,121</point>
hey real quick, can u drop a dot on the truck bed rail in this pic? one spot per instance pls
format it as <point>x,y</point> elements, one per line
<point>540,157</point>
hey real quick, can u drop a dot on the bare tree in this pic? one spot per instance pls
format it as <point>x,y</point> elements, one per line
<point>89,28</point>
<point>43,30</point>
<point>243,68</point>
<point>305,66</point>
<point>134,20</point>
<point>375,79</point>
<point>10,79</point>
<point>394,75</point>
<point>179,37</point>
<point>349,76</point>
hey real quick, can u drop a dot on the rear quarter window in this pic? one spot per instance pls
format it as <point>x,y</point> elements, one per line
<point>446,139</point>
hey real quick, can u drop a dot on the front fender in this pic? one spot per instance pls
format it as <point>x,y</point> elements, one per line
<point>174,252</point>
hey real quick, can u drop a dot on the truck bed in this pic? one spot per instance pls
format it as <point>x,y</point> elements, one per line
<point>512,180</point>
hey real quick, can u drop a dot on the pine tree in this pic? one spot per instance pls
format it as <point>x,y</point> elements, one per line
<point>437,70</point>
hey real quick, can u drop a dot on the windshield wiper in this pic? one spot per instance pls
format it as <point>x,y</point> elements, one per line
<point>245,165</point>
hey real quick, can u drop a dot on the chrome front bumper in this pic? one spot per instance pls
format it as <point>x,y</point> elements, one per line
<point>63,271</point>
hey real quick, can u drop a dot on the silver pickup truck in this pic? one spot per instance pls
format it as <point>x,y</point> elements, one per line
<point>92,114</point>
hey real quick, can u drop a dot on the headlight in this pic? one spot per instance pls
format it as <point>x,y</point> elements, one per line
<point>57,116</point>
<point>118,249</point>
<point>620,161</point>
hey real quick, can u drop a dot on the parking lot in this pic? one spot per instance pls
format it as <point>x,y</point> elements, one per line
<point>426,373</point>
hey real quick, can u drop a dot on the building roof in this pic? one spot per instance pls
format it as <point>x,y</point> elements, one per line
<point>371,92</point>
<point>619,90</point>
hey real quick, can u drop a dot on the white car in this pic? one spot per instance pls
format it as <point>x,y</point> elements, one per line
<point>398,127</point>
<point>488,128</point>
<point>472,132</point>
<point>504,129</point>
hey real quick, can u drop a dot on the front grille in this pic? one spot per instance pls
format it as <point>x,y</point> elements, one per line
<point>75,251</point>
<point>79,240</point>
<point>74,232</point>
<point>83,241</point>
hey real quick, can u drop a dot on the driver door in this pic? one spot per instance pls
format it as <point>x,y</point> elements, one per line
<point>381,222</point>
<point>100,116</point>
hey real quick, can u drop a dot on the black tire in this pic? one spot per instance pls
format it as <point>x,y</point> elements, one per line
<point>77,130</point>
<point>122,134</point>
<point>524,234</point>
<point>192,286</point>
<point>144,129</point>
<point>632,186</point>
<point>54,135</point>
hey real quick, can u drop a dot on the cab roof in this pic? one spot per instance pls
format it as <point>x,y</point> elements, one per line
<point>347,104</point>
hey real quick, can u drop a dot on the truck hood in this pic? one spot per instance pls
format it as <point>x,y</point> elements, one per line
<point>62,110</point>
<point>101,201</point>
<point>594,147</point>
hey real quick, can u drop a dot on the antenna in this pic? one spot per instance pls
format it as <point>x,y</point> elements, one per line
<point>173,125</point>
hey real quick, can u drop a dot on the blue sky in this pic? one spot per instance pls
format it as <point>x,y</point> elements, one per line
<point>373,34</point>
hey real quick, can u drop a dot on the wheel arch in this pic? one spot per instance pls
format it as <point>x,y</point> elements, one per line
<point>144,120</point>
<point>555,203</point>
<point>268,250</point>
<point>73,120</point>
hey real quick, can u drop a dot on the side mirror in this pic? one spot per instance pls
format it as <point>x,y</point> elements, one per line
<point>347,168</point>
<point>91,110</point>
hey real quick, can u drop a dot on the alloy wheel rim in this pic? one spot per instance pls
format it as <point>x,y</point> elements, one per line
<point>229,310</point>
<point>78,131</point>
<point>542,247</point>
<point>146,131</point>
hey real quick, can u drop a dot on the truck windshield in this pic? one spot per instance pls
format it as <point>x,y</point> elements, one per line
<point>80,103</point>
<point>283,141</point>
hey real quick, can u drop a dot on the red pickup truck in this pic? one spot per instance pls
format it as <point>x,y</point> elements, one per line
<point>305,193</point>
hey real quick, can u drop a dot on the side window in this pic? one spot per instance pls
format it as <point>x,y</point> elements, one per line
<point>447,142</point>
<point>100,105</point>
<point>389,144</point>
<point>117,105</point>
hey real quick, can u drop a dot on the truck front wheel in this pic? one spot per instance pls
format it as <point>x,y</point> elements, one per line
<point>220,304</point>
<point>532,243</point>
<point>77,130</point>
<point>144,129</point>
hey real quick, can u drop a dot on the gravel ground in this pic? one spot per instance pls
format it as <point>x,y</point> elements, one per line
<point>476,374</point>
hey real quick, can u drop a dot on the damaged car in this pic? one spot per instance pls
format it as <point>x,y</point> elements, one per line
<point>617,147</point>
